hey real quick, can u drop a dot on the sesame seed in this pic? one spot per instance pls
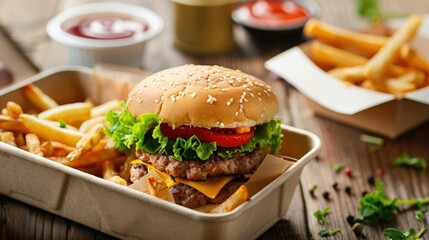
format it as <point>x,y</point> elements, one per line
<point>162,98</point>
<point>214,86</point>
<point>173,98</point>
<point>139,100</point>
<point>164,89</point>
<point>223,89</point>
<point>244,93</point>
<point>181,93</point>
<point>251,94</point>
<point>193,94</point>
<point>259,99</point>
<point>211,99</point>
<point>241,100</point>
<point>222,124</point>
<point>259,93</point>
<point>245,99</point>
<point>206,88</point>
<point>231,99</point>
<point>228,103</point>
<point>236,113</point>
<point>156,101</point>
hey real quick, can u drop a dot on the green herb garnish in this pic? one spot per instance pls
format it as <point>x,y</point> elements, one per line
<point>396,234</point>
<point>376,142</point>
<point>377,206</point>
<point>337,167</point>
<point>63,123</point>
<point>320,215</point>
<point>369,9</point>
<point>327,233</point>
<point>413,162</point>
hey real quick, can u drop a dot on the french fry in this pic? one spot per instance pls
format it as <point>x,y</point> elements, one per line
<point>60,149</point>
<point>368,84</point>
<point>236,199</point>
<point>13,109</point>
<point>19,139</point>
<point>413,59</point>
<point>47,149</point>
<point>342,38</point>
<point>33,144</point>
<point>4,111</point>
<point>375,68</point>
<point>38,97</point>
<point>70,113</point>
<point>10,124</point>
<point>405,83</point>
<point>8,138</point>
<point>87,142</point>
<point>353,75</point>
<point>328,55</point>
<point>58,125</point>
<point>47,132</point>
<point>88,124</point>
<point>102,109</point>
<point>91,158</point>
<point>109,173</point>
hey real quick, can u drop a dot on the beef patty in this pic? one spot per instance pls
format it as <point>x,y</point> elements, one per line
<point>197,170</point>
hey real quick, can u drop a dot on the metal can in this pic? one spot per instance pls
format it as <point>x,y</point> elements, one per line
<point>204,27</point>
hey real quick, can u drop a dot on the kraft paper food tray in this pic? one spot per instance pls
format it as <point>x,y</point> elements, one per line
<point>375,111</point>
<point>127,213</point>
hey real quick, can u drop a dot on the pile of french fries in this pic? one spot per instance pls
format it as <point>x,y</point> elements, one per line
<point>375,62</point>
<point>73,135</point>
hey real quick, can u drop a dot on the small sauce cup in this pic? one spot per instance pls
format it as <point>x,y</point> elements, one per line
<point>105,32</point>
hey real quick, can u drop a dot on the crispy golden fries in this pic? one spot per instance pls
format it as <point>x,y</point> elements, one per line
<point>10,124</point>
<point>102,109</point>
<point>240,196</point>
<point>38,98</point>
<point>47,132</point>
<point>342,38</point>
<point>87,142</point>
<point>13,109</point>
<point>33,144</point>
<point>90,123</point>
<point>91,158</point>
<point>394,67</point>
<point>71,113</point>
<point>8,138</point>
<point>375,68</point>
<point>109,173</point>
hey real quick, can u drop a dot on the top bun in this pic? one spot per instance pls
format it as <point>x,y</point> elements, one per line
<point>204,96</point>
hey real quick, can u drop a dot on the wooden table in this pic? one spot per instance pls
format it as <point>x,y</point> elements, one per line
<point>341,142</point>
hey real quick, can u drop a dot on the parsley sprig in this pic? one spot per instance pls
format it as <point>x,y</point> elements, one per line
<point>396,234</point>
<point>320,216</point>
<point>413,162</point>
<point>377,206</point>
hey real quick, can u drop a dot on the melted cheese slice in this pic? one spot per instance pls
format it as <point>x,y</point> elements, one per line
<point>210,187</point>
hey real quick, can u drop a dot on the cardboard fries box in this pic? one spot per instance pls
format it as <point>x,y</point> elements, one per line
<point>127,213</point>
<point>377,112</point>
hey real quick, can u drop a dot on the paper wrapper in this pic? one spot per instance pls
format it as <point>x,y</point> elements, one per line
<point>371,110</point>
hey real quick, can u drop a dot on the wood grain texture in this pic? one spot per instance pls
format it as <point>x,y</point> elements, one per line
<point>341,142</point>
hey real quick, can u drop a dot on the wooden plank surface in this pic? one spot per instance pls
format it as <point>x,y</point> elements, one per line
<point>341,142</point>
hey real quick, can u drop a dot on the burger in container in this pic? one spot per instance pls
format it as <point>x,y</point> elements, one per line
<point>105,32</point>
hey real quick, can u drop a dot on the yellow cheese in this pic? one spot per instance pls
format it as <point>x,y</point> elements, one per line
<point>210,187</point>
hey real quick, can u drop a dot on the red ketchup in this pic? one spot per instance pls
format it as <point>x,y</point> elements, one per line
<point>108,27</point>
<point>275,13</point>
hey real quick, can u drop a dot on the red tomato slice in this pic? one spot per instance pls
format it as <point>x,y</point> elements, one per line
<point>223,137</point>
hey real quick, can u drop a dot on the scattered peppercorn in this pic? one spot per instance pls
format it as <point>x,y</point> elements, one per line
<point>351,220</point>
<point>348,190</point>
<point>348,171</point>
<point>326,195</point>
<point>371,180</point>
<point>335,185</point>
<point>357,229</point>
<point>364,193</point>
<point>312,189</point>
<point>379,171</point>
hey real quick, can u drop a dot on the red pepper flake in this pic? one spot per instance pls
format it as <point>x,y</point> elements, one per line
<point>348,171</point>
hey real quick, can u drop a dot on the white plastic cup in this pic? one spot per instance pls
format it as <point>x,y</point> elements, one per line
<point>87,51</point>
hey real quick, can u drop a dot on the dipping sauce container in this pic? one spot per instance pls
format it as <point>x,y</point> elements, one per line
<point>204,27</point>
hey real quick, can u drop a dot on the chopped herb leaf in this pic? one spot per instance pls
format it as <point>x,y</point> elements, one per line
<point>63,123</point>
<point>377,206</point>
<point>320,215</point>
<point>369,9</point>
<point>413,162</point>
<point>327,233</point>
<point>376,142</point>
<point>396,234</point>
<point>337,167</point>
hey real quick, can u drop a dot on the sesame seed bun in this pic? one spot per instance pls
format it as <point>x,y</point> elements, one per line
<point>204,96</point>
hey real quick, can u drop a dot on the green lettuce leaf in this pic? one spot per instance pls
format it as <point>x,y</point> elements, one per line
<point>145,133</point>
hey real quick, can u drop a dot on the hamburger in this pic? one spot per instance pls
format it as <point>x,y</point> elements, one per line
<point>206,128</point>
